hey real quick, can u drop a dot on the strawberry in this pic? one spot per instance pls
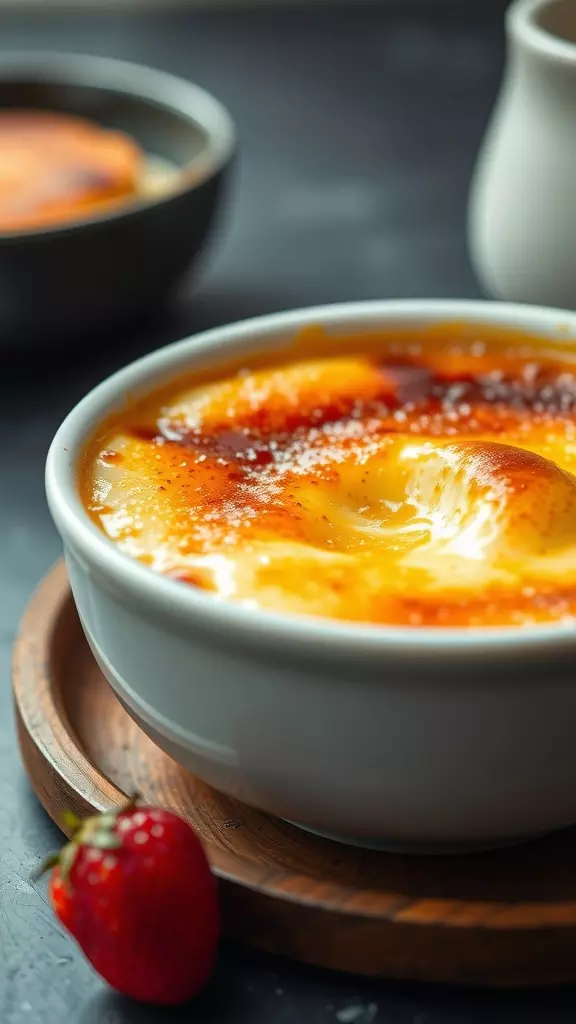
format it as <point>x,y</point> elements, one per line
<point>135,890</point>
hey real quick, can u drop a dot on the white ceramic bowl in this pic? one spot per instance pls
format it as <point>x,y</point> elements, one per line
<point>380,736</point>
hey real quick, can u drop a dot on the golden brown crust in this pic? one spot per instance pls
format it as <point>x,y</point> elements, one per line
<point>55,168</point>
<point>432,486</point>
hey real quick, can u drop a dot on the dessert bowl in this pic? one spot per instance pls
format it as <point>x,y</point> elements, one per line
<point>418,738</point>
<point>110,263</point>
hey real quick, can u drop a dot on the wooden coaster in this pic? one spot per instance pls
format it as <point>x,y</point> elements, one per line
<point>506,918</point>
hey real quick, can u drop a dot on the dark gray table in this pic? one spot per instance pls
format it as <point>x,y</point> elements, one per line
<point>359,129</point>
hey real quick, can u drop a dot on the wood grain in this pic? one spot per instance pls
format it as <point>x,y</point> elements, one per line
<point>506,918</point>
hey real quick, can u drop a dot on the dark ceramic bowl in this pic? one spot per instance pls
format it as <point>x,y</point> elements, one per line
<point>85,274</point>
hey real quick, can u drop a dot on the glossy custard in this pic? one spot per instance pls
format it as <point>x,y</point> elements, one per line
<point>422,479</point>
<point>56,168</point>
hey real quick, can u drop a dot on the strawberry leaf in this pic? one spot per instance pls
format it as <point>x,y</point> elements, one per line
<point>71,821</point>
<point>47,864</point>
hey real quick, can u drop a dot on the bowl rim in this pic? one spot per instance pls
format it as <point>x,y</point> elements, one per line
<point>158,88</point>
<point>290,634</point>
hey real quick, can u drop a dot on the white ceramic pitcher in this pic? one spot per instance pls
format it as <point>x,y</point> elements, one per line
<point>522,214</point>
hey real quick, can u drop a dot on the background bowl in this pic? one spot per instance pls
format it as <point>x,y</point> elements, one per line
<point>80,276</point>
<point>380,735</point>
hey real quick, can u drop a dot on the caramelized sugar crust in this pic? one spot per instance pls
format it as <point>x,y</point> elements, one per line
<point>54,168</point>
<point>409,480</point>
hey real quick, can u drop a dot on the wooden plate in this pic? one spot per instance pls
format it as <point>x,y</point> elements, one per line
<point>506,918</point>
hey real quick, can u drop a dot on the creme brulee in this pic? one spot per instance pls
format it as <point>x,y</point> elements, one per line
<point>408,480</point>
<point>56,168</point>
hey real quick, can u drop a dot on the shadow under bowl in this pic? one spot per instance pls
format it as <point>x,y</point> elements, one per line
<point>82,275</point>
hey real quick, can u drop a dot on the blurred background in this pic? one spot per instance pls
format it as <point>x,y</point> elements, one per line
<point>209,4</point>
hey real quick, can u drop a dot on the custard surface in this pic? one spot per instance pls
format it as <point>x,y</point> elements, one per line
<point>423,479</point>
<point>55,168</point>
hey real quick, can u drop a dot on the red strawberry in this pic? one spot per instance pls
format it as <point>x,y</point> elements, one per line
<point>135,890</point>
